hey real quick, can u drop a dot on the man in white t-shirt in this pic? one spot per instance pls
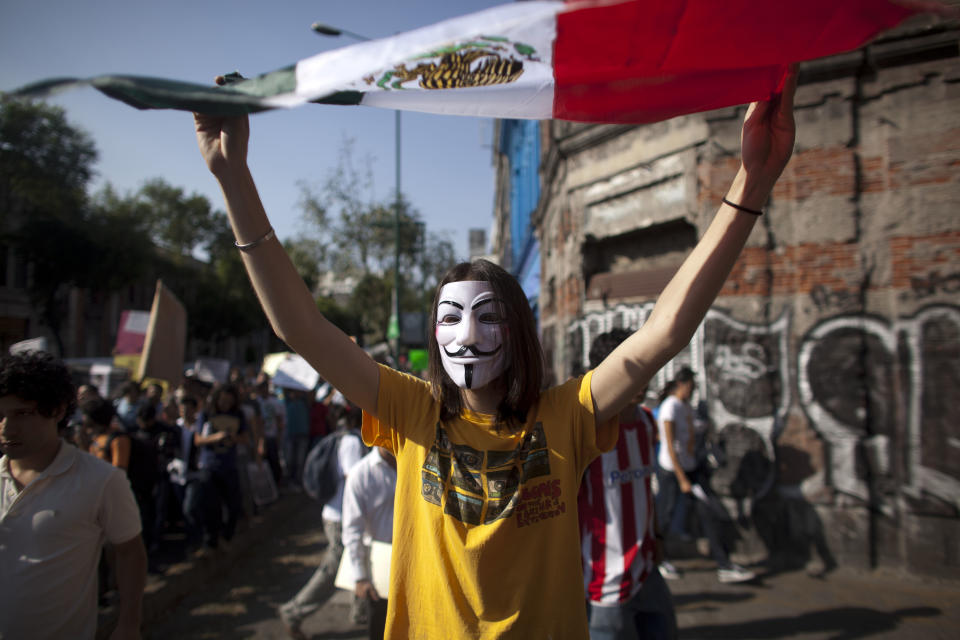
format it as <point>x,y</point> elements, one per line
<point>679,478</point>
<point>58,506</point>
<point>320,587</point>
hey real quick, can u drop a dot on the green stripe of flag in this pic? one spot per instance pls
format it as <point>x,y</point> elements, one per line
<point>238,97</point>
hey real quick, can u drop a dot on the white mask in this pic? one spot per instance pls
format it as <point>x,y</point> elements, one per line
<point>470,333</point>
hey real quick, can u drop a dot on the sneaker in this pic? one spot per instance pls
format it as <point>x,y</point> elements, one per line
<point>290,625</point>
<point>668,571</point>
<point>734,573</point>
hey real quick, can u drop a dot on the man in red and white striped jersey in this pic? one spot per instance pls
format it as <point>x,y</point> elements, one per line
<point>627,595</point>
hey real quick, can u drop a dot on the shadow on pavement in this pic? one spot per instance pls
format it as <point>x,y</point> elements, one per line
<point>237,596</point>
<point>845,622</point>
<point>708,600</point>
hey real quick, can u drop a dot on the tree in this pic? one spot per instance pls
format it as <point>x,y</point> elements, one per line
<point>221,301</point>
<point>155,232</point>
<point>45,165</point>
<point>343,319</point>
<point>178,223</point>
<point>360,237</point>
<point>109,241</point>
<point>431,263</point>
<point>371,303</point>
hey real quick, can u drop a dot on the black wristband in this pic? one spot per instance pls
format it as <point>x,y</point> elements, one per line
<point>740,207</point>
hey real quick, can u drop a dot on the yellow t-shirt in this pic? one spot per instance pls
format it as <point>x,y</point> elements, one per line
<point>485,535</point>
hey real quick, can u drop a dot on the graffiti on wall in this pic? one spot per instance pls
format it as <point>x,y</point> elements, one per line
<point>933,283</point>
<point>746,386</point>
<point>879,392</point>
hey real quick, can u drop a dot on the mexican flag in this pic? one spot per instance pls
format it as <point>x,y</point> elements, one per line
<point>629,61</point>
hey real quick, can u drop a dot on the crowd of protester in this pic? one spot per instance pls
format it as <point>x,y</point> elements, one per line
<point>189,451</point>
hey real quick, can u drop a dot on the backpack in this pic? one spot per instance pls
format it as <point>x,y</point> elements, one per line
<point>142,468</point>
<point>321,470</point>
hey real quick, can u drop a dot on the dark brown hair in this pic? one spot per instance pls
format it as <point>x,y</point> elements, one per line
<point>684,375</point>
<point>37,376</point>
<point>523,378</point>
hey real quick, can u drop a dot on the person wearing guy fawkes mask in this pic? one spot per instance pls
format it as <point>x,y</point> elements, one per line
<point>489,462</point>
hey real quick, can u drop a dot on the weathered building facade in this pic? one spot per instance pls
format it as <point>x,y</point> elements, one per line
<point>828,363</point>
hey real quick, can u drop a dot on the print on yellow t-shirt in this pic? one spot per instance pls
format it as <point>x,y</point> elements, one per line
<point>454,476</point>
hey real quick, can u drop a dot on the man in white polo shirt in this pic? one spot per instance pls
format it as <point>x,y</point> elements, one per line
<point>57,507</point>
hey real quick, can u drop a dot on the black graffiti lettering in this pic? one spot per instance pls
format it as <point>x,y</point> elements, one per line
<point>934,283</point>
<point>825,298</point>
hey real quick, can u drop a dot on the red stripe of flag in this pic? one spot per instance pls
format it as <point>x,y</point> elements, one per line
<point>648,60</point>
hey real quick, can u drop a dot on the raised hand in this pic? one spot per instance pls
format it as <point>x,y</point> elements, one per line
<point>766,141</point>
<point>222,141</point>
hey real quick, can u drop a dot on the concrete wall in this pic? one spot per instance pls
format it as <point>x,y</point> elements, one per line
<point>833,352</point>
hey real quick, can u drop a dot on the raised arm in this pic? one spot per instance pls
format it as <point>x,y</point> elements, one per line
<point>766,145</point>
<point>290,307</point>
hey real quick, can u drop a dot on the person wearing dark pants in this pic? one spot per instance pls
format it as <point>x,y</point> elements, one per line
<point>223,430</point>
<point>679,477</point>
<point>321,584</point>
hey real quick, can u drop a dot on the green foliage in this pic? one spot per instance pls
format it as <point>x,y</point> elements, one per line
<point>177,222</point>
<point>157,230</point>
<point>45,163</point>
<point>110,241</point>
<point>371,303</point>
<point>343,319</point>
<point>219,298</point>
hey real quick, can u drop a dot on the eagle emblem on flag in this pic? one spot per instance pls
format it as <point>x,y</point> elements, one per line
<point>482,62</point>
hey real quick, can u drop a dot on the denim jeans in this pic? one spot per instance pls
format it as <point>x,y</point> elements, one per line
<point>648,615</point>
<point>669,496</point>
<point>199,506</point>
<point>295,454</point>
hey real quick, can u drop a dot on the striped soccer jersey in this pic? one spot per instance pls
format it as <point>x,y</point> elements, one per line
<point>616,515</point>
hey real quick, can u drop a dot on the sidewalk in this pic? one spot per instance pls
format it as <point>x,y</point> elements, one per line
<point>843,604</point>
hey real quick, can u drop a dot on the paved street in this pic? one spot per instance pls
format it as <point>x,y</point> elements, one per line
<point>235,594</point>
<point>843,605</point>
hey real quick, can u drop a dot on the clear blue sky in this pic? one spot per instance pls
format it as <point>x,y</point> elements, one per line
<point>447,168</point>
